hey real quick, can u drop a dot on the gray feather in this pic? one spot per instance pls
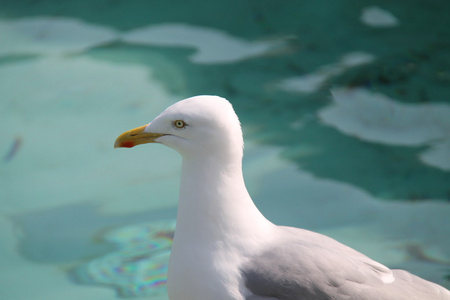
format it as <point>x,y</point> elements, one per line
<point>307,270</point>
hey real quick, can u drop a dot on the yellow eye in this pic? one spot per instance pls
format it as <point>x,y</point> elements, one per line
<point>179,124</point>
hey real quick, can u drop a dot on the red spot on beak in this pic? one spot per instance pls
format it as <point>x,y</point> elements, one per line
<point>127,144</point>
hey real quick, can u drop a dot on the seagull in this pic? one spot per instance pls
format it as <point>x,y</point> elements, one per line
<point>225,249</point>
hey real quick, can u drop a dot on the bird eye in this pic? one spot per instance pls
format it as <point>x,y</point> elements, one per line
<point>179,124</point>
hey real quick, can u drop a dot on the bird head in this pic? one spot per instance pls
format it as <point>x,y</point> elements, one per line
<point>200,125</point>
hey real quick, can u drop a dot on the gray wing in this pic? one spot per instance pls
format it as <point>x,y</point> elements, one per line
<point>319,268</point>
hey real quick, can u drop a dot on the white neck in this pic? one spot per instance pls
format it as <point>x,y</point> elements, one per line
<point>214,204</point>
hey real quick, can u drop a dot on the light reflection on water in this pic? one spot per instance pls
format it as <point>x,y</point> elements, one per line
<point>138,266</point>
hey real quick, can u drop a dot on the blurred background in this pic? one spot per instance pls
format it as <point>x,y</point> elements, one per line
<point>345,107</point>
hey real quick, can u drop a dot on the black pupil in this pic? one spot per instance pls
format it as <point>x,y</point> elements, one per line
<point>179,124</point>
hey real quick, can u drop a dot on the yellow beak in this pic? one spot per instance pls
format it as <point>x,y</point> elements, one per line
<point>135,137</point>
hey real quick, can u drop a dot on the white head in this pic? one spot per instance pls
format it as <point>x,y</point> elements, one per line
<point>201,125</point>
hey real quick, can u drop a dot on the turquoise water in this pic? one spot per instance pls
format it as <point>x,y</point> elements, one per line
<point>345,108</point>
